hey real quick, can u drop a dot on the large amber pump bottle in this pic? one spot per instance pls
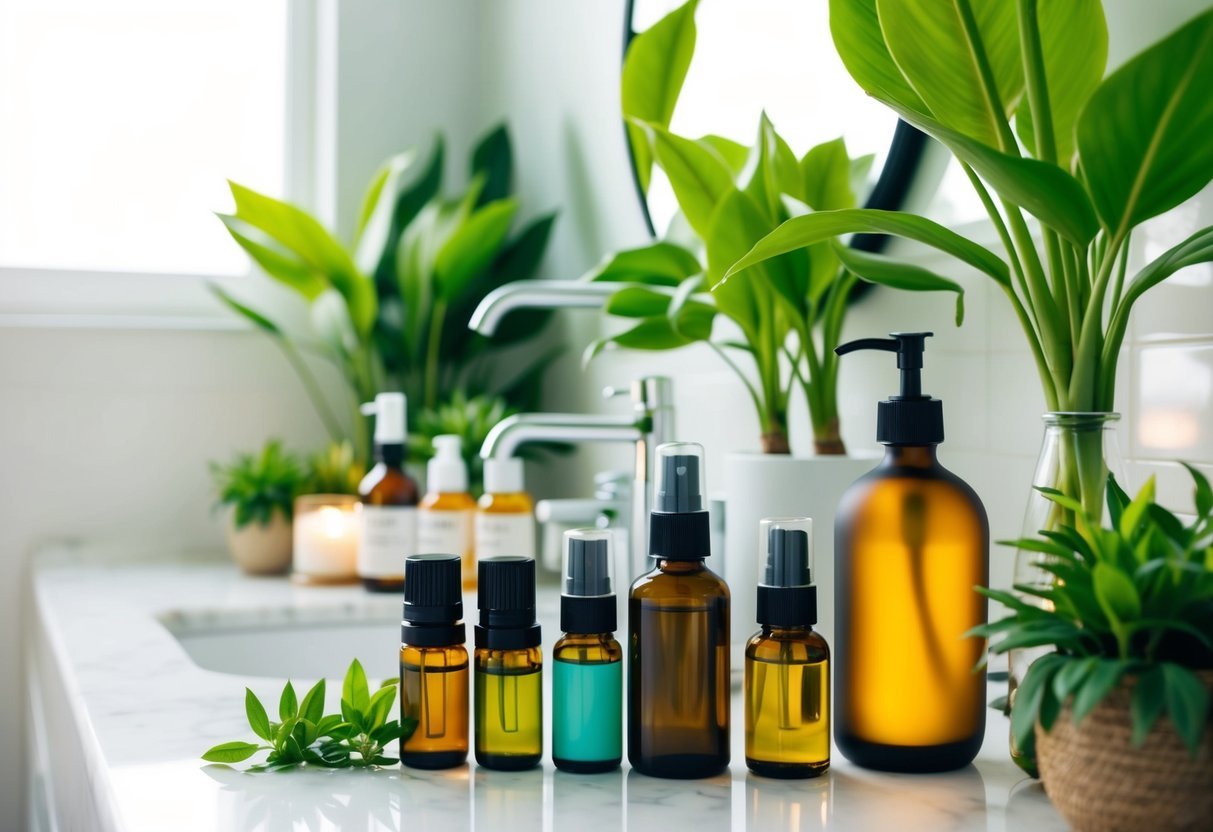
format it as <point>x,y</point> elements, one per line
<point>678,633</point>
<point>911,541</point>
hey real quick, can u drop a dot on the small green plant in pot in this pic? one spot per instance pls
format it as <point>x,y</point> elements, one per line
<point>1119,709</point>
<point>259,491</point>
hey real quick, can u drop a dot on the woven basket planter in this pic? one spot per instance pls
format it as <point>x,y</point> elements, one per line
<point>1099,781</point>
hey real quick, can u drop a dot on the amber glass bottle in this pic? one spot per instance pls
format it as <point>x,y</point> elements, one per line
<point>787,665</point>
<point>505,519</point>
<point>389,498</point>
<point>911,542</point>
<point>444,518</point>
<point>434,663</point>
<point>678,634</point>
<point>509,665</point>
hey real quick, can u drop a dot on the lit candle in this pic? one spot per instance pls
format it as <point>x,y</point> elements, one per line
<point>326,538</point>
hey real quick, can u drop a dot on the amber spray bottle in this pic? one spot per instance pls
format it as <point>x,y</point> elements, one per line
<point>509,664</point>
<point>678,633</point>
<point>388,500</point>
<point>434,663</point>
<point>911,542</point>
<point>787,665</point>
<point>587,661</point>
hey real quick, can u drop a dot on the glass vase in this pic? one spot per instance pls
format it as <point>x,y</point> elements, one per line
<point>1078,452</point>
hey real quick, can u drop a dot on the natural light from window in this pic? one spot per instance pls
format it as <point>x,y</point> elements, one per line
<point>120,121</point>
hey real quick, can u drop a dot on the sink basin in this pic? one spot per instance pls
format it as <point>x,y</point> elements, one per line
<point>291,650</point>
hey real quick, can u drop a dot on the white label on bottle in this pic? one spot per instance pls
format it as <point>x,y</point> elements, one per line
<point>504,534</point>
<point>389,535</point>
<point>447,533</point>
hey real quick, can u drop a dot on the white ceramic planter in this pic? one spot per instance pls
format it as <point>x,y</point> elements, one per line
<point>761,485</point>
<point>258,549</point>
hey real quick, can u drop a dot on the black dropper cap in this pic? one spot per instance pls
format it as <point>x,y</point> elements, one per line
<point>587,598</point>
<point>433,601</point>
<point>506,600</point>
<point>678,526</point>
<point>909,418</point>
<point>786,596</point>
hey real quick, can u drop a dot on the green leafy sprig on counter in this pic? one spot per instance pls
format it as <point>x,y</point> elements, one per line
<point>355,738</point>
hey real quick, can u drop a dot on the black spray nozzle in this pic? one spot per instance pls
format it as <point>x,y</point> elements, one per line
<point>680,485</point>
<point>909,347</point>
<point>588,571</point>
<point>787,558</point>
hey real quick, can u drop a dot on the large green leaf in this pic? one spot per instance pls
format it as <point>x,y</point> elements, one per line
<point>827,171</point>
<point>653,72</point>
<point>472,247</point>
<point>898,274</point>
<point>286,268</point>
<point>1187,704</point>
<point>493,159</point>
<point>813,228</point>
<point>1074,46</point>
<point>1116,594</point>
<point>936,49</point>
<point>736,224</point>
<point>733,154</point>
<point>773,171</point>
<point>375,216</point>
<point>414,192</point>
<point>699,178</point>
<point>1143,138</point>
<point>252,315</point>
<point>638,302</point>
<point>855,27</point>
<point>658,264</point>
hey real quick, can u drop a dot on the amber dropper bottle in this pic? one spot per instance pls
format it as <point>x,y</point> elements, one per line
<point>388,500</point>
<point>587,661</point>
<point>911,541</point>
<point>787,665</point>
<point>509,665</point>
<point>434,663</point>
<point>678,633</point>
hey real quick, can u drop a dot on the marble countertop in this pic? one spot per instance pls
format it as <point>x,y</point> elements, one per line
<point>141,711</point>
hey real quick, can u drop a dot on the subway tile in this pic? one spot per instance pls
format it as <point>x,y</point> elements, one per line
<point>1016,404</point>
<point>1179,307</point>
<point>1173,403</point>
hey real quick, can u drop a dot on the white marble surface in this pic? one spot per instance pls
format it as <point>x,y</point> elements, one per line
<point>142,712</point>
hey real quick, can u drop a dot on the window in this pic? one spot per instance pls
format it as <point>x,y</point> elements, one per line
<point>120,121</point>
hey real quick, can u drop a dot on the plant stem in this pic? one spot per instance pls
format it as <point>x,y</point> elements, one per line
<point>754,397</point>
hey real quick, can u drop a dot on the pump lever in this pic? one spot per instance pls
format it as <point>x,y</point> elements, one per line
<point>909,347</point>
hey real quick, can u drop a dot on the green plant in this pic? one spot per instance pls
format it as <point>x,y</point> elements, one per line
<point>258,485</point>
<point>789,314</point>
<point>355,738</point>
<point>390,310</point>
<point>1133,600</point>
<point>1066,162</point>
<point>334,470</point>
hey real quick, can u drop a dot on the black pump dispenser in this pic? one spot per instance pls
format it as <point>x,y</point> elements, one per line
<point>678,525</point>
<point>587,593</point>
<point>786,595</point>
<point>909,418</point>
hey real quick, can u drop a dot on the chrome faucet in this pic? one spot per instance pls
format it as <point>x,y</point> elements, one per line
<point>537,294</point>
<point>650,423</point>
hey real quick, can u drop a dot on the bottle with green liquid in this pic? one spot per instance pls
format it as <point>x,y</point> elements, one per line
<point>509,665</point>
<point>587,670</point>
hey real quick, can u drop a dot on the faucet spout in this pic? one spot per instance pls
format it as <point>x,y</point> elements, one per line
<point>514,431</point>
<point>537,294</point>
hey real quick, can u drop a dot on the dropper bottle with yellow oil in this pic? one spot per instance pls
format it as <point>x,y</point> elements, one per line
<point>509,666</point>
<point>787,665</point>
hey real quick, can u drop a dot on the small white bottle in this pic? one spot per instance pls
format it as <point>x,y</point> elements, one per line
<point>505,521</point>
<point>444,523</point>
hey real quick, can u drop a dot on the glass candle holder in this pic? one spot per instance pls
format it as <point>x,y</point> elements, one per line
<point>326,539</point>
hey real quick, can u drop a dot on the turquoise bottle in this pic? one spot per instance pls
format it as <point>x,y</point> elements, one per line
<point>587,661</point>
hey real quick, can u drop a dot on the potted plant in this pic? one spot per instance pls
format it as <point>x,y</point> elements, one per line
<point>1067,164</point>
<point>775,331</point>
<point>1129,626</point>
<point>390,310</point>
<point>258,491</point>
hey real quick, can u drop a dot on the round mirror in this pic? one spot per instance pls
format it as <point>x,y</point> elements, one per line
<point>777,57</point>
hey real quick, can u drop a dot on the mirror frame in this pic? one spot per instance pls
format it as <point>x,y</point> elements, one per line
<point>904,159</point>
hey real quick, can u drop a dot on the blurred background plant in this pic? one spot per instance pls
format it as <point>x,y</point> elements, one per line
<point>390,311</point>
<point>256,486</point>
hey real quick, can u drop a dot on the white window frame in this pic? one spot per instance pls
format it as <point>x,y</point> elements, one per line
<point>37,297</point>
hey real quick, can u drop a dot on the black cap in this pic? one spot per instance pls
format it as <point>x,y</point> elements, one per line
<point>433,601</point>
<point>587,601</point>
<point>679,528</point>
<point>507,604</point>
<point>786,596</point>
<point>909,418</point>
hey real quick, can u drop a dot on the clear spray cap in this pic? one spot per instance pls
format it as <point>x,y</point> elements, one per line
<point>588,570</point>
<point>391,414</point>
<point>788,543</point>
<point>446,472</point>
<point>680,478</point>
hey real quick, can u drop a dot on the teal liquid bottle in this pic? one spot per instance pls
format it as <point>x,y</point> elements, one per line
<point>587,669</point>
